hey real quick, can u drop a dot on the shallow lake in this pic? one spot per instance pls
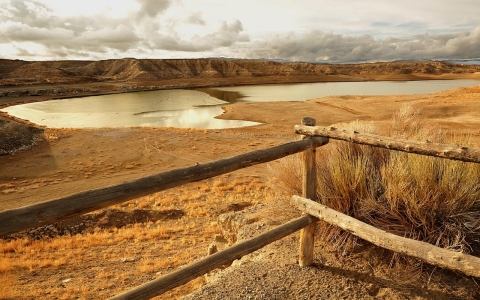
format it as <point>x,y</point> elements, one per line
<point>198,108</point>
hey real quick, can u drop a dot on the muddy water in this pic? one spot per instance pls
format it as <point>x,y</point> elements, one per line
<point>198,108</point>
<point>305,91</point>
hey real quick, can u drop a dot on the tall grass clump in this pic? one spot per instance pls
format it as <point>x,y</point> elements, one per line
<point>424,198</point>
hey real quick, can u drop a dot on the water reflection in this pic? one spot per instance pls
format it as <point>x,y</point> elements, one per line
<point>231,96</point>
<point>200,117</point>
<point>175,108</point>
<point>304,91</point>
<point>198,108</point>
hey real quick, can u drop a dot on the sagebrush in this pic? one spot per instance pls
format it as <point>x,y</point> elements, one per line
<point>424,198</point>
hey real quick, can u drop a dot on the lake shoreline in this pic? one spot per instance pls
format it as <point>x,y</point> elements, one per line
<point>200,108</point>
<point>452,111</point>
<point>22,94</point>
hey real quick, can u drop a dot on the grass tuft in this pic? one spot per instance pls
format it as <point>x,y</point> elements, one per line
<point>424,198</point>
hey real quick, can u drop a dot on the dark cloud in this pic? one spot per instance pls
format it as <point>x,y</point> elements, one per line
<point>227,35</point>
<point>24,33</point>
<point>330,47</point>
<point>24,52</point>
<point>31,21</point>
<point>152,8</point>
<point>121,37</point>
<point>32,13</point>
<point>196,19</point>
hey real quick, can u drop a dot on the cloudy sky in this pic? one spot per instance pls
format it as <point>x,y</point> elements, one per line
<point>299,30</point>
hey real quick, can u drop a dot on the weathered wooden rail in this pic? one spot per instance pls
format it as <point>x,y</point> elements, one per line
<point>184,275</point>
<point>313,136</point>
<point>441,257</point>
<point>15,220</point>
<point>461,153</point>
<point>467,264</point>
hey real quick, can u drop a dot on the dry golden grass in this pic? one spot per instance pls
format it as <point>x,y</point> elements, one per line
<point>112,259</point>
<point>424,198</point>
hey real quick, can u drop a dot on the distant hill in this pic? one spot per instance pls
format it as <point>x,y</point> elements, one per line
<point>465,61</point>
<point>18,72</point>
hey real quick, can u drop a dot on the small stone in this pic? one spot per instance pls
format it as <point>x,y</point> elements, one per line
<point>220,239</point>
<point>212,248</point>
<point>237,262</point>
<point>67,280</point>
<point>128,259</point>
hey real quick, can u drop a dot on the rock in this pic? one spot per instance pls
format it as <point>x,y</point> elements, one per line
<point>230,224</point>
<point>220,239</point>
<point>128,259</point>
<point>103,222</point>
<point>212,248</point>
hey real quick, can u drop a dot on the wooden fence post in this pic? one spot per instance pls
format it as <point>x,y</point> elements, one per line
<point>309,179</point>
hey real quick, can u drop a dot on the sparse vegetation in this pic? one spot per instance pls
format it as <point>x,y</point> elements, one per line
<point>429,199</point>
<point>120,248</point>
<point>16,136</point>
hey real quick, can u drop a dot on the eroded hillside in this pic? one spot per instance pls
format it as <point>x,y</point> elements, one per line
<point>19,73</point>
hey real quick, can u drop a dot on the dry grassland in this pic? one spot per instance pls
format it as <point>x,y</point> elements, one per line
<point>108,257</point>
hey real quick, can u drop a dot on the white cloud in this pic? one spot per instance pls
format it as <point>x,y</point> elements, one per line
<point>228,34</point>
<point>309,30</point>
<point>15,31</point>
<point>120,37</point>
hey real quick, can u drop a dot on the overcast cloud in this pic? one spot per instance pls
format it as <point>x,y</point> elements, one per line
<point>302,30</point>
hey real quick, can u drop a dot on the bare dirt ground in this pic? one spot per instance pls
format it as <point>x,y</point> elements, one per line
<point>366,272</point>
<point>104,253</point>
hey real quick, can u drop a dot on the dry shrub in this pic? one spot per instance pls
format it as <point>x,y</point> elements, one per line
<point>424,198</point>
<point>288,171</point>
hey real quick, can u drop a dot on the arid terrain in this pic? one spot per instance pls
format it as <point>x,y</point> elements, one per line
<point>23,81</point>
<point>106,252</point>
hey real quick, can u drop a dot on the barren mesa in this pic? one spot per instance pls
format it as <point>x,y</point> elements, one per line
<point>106,252</point>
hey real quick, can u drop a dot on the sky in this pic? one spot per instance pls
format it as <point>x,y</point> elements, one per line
<point>324,31</point>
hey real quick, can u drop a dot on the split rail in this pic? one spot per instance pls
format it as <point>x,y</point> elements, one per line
<point>16,220</point>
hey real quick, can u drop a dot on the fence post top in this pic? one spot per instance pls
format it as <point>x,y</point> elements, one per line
<point>308,121</point>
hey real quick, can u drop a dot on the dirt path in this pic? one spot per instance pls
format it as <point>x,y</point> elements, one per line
<point>273,271</point>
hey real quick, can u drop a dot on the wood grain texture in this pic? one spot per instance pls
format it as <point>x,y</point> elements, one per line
<point>184,275</point>
<point>467,154</point>
<point>467,264</point>
<point>309,190</point>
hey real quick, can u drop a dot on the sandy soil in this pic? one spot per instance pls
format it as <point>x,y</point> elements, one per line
<point>364,273</point>
<point>71,160</point>
<point>66,161</point>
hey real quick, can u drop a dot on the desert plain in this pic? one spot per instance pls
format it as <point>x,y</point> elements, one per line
<point>106,252</point>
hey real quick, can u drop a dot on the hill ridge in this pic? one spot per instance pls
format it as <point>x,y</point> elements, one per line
<point>18,72</point>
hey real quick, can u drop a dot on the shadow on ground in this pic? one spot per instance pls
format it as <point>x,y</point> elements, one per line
<point>112,218</point>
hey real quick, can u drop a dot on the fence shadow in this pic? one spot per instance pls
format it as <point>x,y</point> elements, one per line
<point>378,283</point>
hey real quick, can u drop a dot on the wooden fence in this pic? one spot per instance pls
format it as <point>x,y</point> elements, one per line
<point>313,136</point>
<point>65,207</point>
<point>467,264</point>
